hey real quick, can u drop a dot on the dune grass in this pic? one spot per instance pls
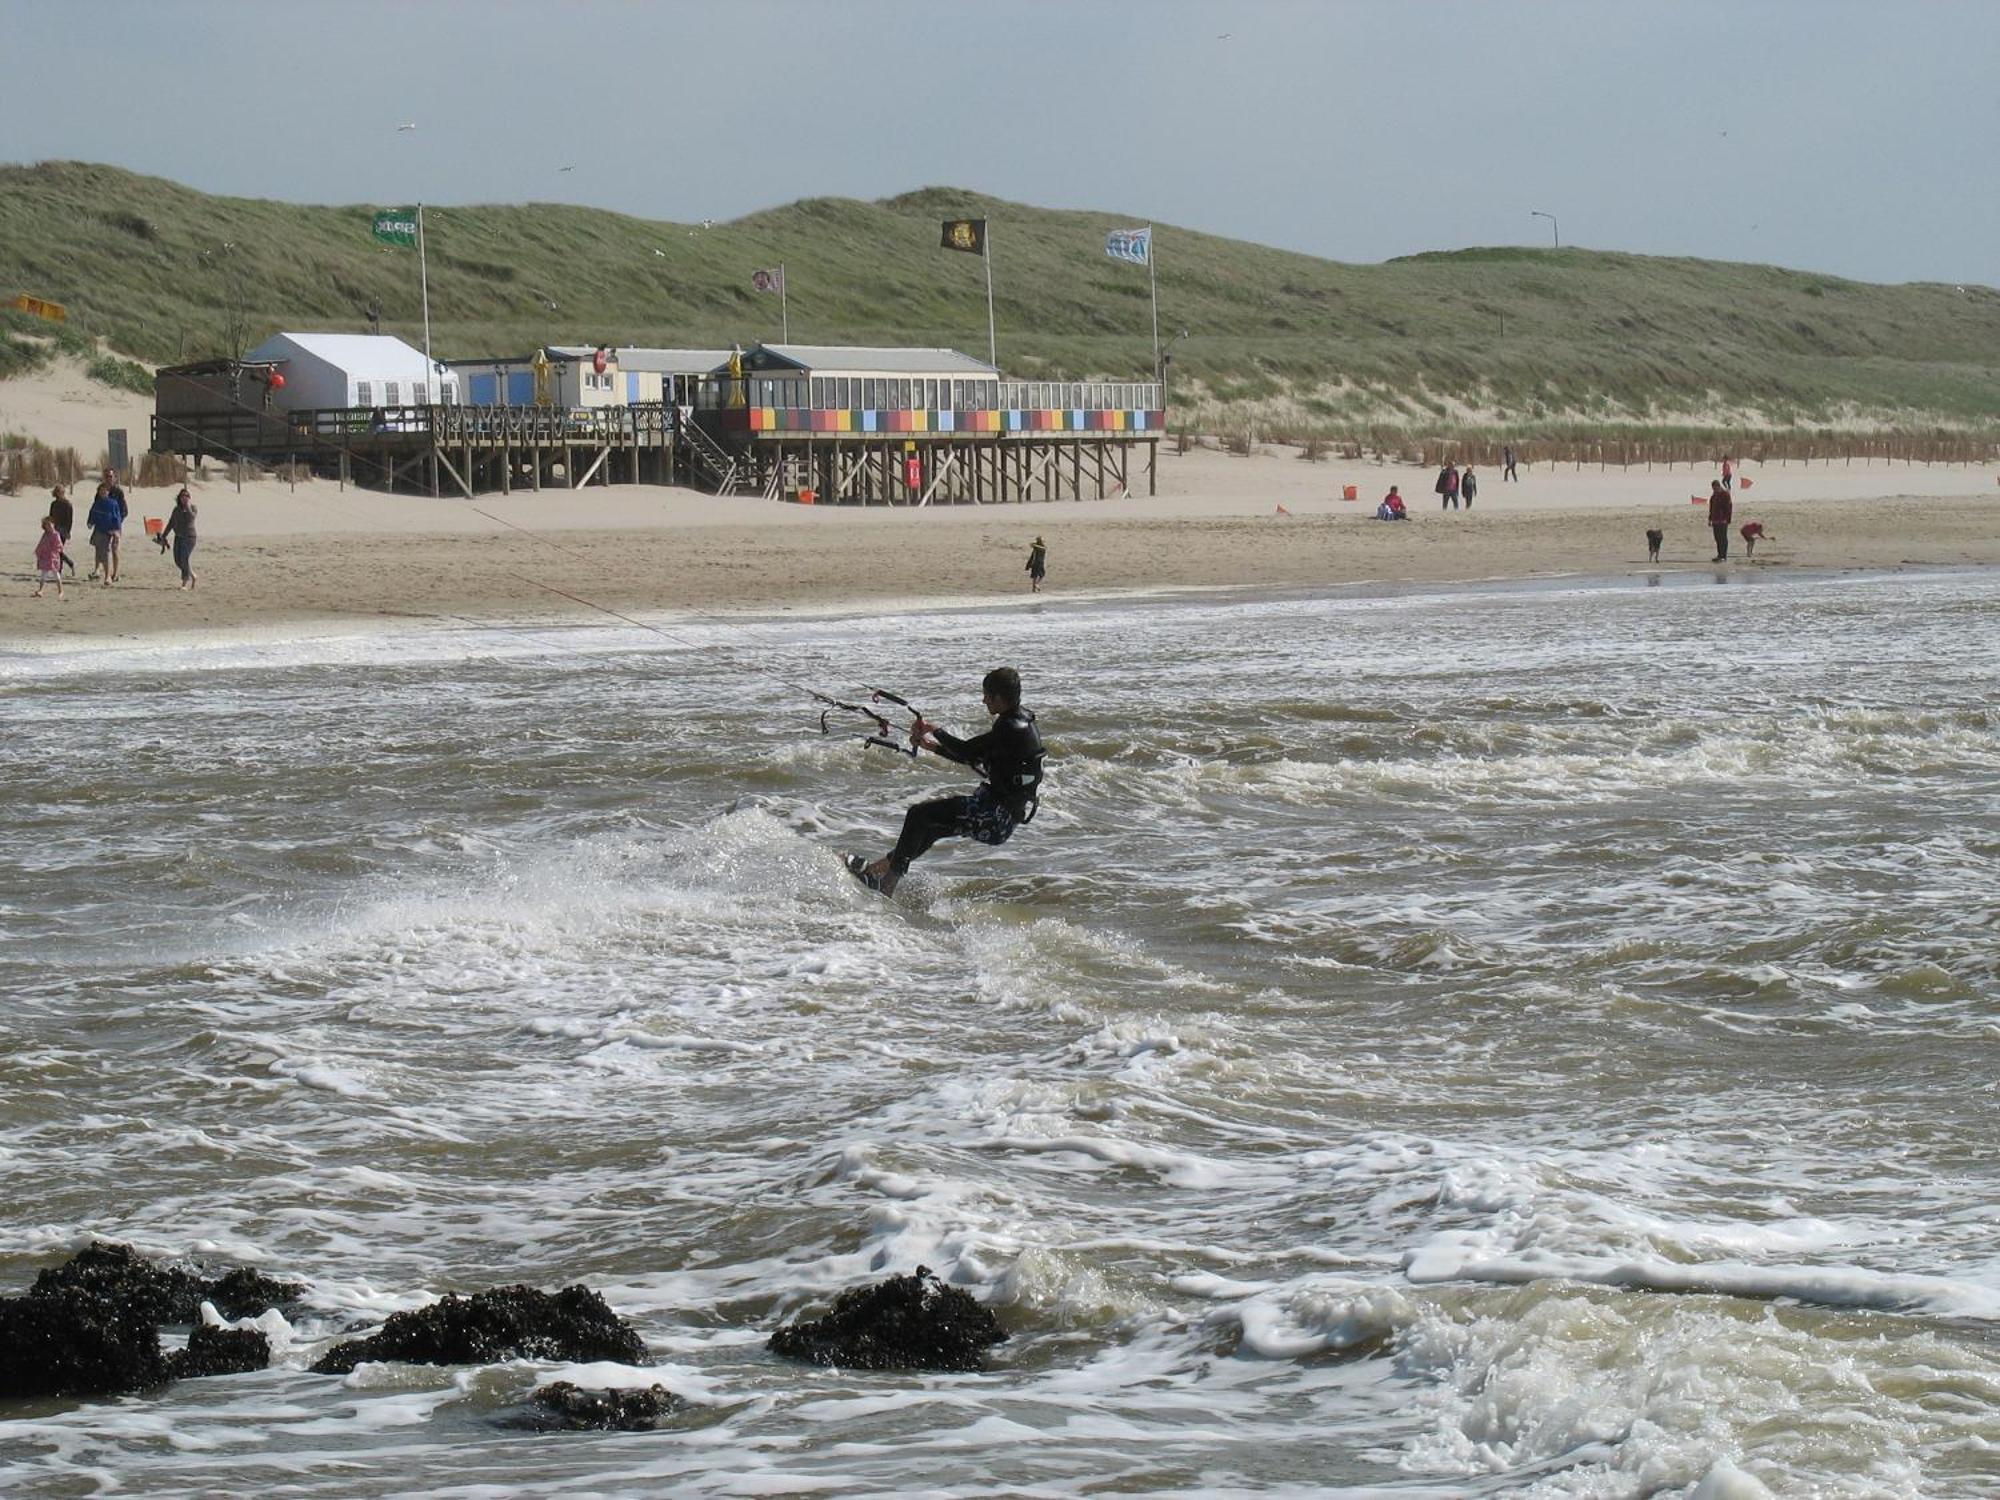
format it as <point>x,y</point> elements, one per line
<point>1533,339</point>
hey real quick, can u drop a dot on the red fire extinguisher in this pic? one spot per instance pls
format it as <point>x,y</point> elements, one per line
<point>913,472</point>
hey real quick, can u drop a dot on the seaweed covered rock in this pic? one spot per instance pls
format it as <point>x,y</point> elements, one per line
<point>220,1351</point>
<point>912,1322</point>
<point>165,1293</point>
<point>561,1405</point>
<point>119,1274</point>
<point>69,1342</point>
<point>509,1322</point>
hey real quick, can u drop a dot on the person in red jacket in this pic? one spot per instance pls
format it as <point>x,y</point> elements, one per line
<point>1752,533</point>
<point>1719,509</point>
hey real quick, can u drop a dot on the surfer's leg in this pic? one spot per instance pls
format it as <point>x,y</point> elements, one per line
<point>923,825</point>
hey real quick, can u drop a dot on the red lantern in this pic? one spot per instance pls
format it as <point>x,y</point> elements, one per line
<point>277,381</point>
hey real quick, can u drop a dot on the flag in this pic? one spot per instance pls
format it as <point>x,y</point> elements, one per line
<point>769,281</point>
<point>968,235</point>
<point>395,226</point>
<point>1135,245</point>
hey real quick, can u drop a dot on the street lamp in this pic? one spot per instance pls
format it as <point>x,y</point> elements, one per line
<point>1554,228</point>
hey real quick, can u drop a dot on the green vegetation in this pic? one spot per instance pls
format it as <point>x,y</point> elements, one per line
<point>1538,340</point>
<point>120,374</point>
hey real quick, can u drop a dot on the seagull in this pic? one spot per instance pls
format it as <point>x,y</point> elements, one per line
<point>661,253</point>
<point>1225,36</point>
<point>565,169</point>
<point>411,126</point>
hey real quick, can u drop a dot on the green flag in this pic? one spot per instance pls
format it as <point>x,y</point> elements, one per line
<point>396,226</point>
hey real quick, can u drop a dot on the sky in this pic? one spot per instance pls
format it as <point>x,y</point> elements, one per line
<point>1853,137</point>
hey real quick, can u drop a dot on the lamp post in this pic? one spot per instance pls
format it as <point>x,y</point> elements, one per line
<point>1554,228</point>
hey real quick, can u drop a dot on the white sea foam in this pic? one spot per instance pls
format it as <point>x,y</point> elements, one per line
<point>1320,1090</point>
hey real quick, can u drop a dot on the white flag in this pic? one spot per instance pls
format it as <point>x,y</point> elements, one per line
<point>772,280</point>
<point>1135,245</point>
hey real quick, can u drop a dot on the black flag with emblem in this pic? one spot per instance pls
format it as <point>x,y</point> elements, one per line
<point>968,235</point>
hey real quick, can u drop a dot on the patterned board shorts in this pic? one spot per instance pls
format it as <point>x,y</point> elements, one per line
<point>986,819</point>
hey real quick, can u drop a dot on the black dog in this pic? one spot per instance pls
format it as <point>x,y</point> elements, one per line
<point>1653,540</point>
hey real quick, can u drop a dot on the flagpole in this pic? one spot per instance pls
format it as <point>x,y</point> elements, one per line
<point>784,306</point>
<point>1153,274</point>
<point>986,254</point>
<point>424,278</point>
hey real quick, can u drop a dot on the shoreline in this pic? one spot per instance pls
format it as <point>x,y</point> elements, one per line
<point>323,561</point>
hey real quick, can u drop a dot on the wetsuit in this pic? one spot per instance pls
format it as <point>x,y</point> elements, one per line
<point>1009,757</point>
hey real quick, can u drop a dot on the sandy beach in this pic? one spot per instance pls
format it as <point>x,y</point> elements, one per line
<point>319,557</point>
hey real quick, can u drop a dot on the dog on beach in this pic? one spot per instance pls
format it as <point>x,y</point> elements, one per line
<point>1654,538</point>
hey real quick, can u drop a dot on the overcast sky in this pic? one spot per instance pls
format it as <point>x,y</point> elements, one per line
<point>1856,138</point>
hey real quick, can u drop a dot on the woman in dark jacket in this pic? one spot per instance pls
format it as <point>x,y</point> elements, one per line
<point>180,531</point>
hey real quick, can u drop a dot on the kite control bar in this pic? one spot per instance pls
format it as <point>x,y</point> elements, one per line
<point>885,732</point>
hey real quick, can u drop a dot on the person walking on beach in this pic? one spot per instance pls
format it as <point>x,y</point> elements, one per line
<point>1468,486</point>
<point>1719,508</point>
<point>1038,565</point>
<point>180,530</point>
<point>1728,473</point>
<point>48,558</point>
<point>1507,466</point>
<point>106,520</point>
<point>64,515</point>
<point>1008,758</point>
<point>1447,487</point>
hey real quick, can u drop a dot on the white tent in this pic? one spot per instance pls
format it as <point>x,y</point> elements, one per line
<point>324,370</point>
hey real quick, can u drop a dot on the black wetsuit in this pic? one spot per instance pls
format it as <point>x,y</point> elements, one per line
<point>1009,757</point>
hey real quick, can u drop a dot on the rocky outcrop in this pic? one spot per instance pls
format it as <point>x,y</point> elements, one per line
<point>91,1326</point>
<point>912,1322</point>
<point>509,1322</point>
<point>563,1406</point>
<point>165,1293</point>
<point>220,1351</point>
<point>66,1342</point>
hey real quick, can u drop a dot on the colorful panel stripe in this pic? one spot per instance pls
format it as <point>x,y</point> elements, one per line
<point>800,419</point>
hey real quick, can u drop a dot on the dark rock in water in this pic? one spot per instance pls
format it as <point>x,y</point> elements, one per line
<point>66,1342</point>
<point>244,1293</point>
<point>912,1322</point>
<point>563,1405</point>
<point>120,1275</point>
<point>220,1351</point>
<point>509,1322</point>
<point>166,1294</point>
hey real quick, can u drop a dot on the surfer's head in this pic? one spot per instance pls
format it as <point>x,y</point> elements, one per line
<point>1001,688</point>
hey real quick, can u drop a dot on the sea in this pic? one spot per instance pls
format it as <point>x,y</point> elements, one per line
<point>1445,1040</point>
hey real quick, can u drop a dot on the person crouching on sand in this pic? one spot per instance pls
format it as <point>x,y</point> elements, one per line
<point>1392,507</point>
<point>48,558</point>
<point>1752,533</point>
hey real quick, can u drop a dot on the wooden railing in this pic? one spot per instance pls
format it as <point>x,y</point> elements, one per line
<point>246,430</point>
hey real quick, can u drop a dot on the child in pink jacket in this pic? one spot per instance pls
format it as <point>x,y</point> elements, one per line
<point>48,558</point>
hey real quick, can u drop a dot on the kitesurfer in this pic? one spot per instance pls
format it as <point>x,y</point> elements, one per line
<point>1008,758</point>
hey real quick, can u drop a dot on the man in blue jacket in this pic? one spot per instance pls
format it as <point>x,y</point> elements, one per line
<point>106,520</point>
